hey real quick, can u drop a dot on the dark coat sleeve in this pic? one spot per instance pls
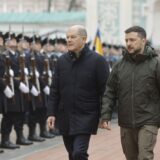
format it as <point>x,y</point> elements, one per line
<point>102,71</point>
<point>2,71</point>
<point>110,95</point>
<point>54,95</point>
<point>158,73</point>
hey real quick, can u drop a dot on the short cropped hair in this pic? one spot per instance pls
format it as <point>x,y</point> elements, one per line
<point>141,32</point>
<point>82,31</point>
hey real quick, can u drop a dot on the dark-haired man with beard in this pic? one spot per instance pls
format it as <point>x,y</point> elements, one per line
<point>135,83</point>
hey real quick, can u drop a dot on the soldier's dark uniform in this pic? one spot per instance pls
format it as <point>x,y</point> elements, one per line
<point>60,45</point>
<point>38,106</point>
<point>14,109</point>
<point>1,81</point>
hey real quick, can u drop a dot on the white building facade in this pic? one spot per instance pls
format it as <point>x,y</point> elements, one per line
<point>28,16</point>
<point>113,17</point>
<point>39,5</point>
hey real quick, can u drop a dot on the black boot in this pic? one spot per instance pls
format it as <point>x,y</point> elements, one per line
<point>33,136</point>
<point>43,131</point>
<point>1,151</point>
<point>7,144</point>
<point>21,139</point>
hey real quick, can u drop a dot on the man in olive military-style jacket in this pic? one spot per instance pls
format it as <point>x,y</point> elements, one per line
<point>135,83</point>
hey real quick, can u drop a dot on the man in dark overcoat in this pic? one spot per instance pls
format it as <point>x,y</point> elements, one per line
<point>76,91</point>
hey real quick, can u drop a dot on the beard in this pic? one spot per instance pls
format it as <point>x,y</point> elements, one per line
<point>134,51</point>
<point>137,51</point>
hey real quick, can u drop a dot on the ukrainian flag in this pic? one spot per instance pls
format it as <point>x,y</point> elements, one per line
<point>97,43</point>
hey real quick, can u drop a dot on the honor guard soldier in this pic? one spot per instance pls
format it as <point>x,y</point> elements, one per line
<point>14,103</point>
<point>38,108</point>
<point>1,81</point>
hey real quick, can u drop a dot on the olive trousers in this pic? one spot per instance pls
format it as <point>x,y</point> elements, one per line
<point>138,143</point>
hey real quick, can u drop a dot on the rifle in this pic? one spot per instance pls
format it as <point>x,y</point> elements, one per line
<point>8,78</point>
<point>47,74</point>
<point>53,62</point>
<point>23,75</point>
<point>34,78</point>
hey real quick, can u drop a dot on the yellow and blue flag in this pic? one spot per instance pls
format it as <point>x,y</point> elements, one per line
<point>97,46</point>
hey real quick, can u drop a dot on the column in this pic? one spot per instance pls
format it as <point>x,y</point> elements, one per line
<point>125,17</point>
<point>91,18</point>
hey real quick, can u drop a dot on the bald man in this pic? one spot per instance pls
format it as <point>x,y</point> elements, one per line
<point>76,91</point>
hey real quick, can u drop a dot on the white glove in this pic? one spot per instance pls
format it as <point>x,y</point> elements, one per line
<point>11,72</point>
<point>8,92</point>
<point>26,71</point>
<point>49,73</point>
<point>34,91</point>
<point>37,74</point>
<point>23,88</point>
<point>46,90</point>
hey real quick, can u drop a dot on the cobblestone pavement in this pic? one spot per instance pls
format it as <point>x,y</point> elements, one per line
<point>103,146</point>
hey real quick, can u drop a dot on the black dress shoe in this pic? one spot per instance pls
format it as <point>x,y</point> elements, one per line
<point>47,135</point>
<point>1,151</point>
<point>9,145</point>
<point>23,141</point>
<point>36,138</point>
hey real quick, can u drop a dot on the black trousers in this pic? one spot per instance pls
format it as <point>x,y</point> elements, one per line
<point>34,117</point>
<point>11,119</point>
<point>37,116</point>
<point>77,146</point>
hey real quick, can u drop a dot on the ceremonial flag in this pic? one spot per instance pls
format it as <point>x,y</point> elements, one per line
<point>97,46</point>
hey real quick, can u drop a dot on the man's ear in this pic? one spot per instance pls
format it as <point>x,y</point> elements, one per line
<point>84,38</point>
<point>144,40</point>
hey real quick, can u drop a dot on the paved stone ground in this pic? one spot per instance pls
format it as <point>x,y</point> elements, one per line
<point>104,146</point>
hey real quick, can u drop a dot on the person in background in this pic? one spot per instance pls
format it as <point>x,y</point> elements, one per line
<point>14,108</point>
<point>1,81</point>
<point>2,46</point>
<point>61,45</point>
<point>38,108</point>
<point>135,83</point>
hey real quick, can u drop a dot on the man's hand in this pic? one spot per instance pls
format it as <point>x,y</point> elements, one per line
<point>105,124</point>
<point>51,122</point>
